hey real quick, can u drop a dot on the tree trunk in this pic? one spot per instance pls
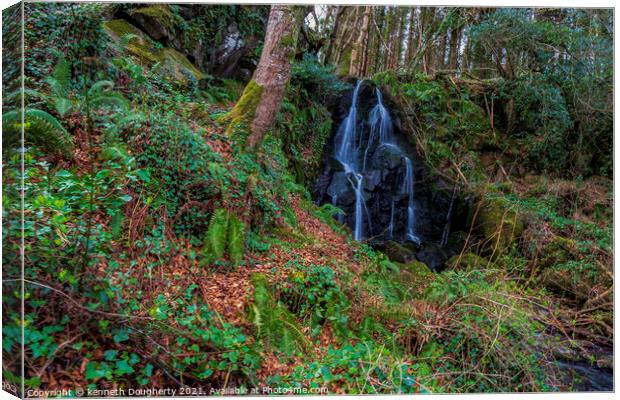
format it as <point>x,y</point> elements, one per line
<point>261,99</point>
<point>359,49</point>
<point>333,34</point>
<point>411,38</point>
<point>455,39</point>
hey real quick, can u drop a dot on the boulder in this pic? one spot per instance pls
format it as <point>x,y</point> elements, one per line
<point>157,21</point>
<point>416,276</point>
<point>499,223</point>
<point>433,255</point>
<point>175,64</point>
<point>398,253</point>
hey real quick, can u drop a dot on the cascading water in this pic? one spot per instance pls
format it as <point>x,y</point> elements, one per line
<point>380,127</point>
<point>408,186</point>
<point>354,152</point>
<point>347,153</point>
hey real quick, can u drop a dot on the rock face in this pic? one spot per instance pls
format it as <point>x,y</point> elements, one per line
<point>158,23</point>
<point>387,204</point>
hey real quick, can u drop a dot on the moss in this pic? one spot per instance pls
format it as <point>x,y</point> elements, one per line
<point>398,253</point>
<point>499,223</point>
<point>416,276</point>
<point>146,52</point>
<point>243,112</point>
<point>140,47</point>
<point>467,261</point>
<point>181,64</point>
<point>161,13</point>
<point>558,251</point>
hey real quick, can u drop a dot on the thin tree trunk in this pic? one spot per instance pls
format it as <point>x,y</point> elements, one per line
<point>333,34</point>
<point>357,53</point>
<point>262,97</point>
<point>455,39</point>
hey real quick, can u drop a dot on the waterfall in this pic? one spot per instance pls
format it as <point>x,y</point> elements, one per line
<point>346,139</point>
<point>380,127</point>
<point>408,188</point>
<point>391,226</point>
<point>347,149</point>
<point>352,150</point>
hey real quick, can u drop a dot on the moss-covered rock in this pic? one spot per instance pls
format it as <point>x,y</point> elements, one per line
<point>467,261</point>
<point>157,20</point>
<point>416,276</point>
<point>175,64</point>
<point>398,253</point>
<point>499,223</point>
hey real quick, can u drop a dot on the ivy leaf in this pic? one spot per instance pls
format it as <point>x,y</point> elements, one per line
<point>121,336</point>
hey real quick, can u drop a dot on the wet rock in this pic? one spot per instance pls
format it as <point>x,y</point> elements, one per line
<point>456,242</point>
<point>433,255</point>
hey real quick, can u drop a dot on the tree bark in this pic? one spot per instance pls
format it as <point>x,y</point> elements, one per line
<point>455,40</point>
<point>261,99</point>
<point>359,49</point>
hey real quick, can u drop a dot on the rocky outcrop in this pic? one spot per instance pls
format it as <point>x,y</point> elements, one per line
<point>160,24</point>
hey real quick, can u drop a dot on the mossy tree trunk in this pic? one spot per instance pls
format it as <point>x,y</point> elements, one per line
<point>260,102</point>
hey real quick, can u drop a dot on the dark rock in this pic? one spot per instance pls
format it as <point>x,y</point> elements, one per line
<point>432,255</point>
<point>456,242</point>
<point>398,253</point>
<point>384,178</point>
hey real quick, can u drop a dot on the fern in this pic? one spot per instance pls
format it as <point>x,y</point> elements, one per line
<point>61,74</point>
<point>226,235</point>
<point>40,129</point>
<point>215,239</point>
<point>100,95</point>
<point>236,239</point>
<point>276,327</point>
<point>100,86</point>
<point>60,86</point>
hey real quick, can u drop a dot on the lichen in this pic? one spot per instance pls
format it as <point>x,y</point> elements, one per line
<point>243,112</point>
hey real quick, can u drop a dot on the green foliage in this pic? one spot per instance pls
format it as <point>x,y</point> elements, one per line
<point>276,327</point>
<point>311,79</point>
<point>226,234</point>
<point>212,346</point>
<point>305,121</point>
<point>539,114</point>
<point>492,331</point>
<point>563,95</point>
<point>311,291</point>
<point>40,129</point>
<point>362,368</point>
